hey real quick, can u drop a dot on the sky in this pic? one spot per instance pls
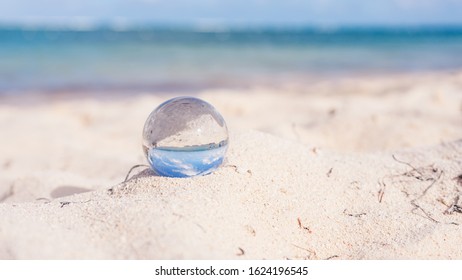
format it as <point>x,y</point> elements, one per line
<point>232,12</point>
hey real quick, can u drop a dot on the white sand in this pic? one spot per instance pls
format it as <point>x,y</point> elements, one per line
<point>310,174</point>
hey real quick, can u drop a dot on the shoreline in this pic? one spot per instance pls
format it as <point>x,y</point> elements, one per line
<point>298,85</point>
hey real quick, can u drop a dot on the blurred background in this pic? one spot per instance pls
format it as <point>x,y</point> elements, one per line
<point>179,45</point>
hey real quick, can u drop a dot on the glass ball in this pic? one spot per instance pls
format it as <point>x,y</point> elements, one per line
<point>184,137</point>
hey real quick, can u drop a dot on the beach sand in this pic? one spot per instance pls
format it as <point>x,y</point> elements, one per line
<point>344,168</point>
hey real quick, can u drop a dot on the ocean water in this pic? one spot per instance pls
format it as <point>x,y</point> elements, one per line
<point>187,59</point>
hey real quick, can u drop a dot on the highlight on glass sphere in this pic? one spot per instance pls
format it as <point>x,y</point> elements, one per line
<point>184,137</point>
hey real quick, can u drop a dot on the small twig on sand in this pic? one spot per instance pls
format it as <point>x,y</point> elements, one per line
<point>422,174</point>
<point>454,207</point>
<point>64,203</point>
<point>416,206</point>
<point>301,226</point>
<point>329,172</point>
<point>408,164</point>
<point>421,177</point>
<point>426,215</point>
<point>381,191</point>
<point>312,253</point>
<point>131,169</point>
<point>241,252</point>
<point>239,170</point>
<point>354,215</point>
<point>380,195</point>
<point>332,257</point>
<point>431,185</point>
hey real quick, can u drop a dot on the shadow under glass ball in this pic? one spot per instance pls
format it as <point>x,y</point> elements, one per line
<point>184,137</point>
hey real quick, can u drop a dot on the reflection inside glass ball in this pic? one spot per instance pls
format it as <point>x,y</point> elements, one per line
<point>184,137</point>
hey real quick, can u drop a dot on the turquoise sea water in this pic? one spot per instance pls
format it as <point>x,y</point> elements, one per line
<point>183,59</point>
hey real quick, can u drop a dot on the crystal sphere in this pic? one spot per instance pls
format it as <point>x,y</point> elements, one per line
<point>184,137</point>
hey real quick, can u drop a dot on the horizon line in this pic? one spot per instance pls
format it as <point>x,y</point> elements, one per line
<point>201,27</point>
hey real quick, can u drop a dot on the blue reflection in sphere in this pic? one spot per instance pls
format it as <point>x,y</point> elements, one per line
<point>184,137</point>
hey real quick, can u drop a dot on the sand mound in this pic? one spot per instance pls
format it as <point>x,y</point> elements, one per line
<point>273,199</point>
